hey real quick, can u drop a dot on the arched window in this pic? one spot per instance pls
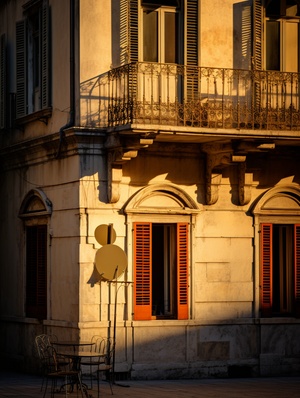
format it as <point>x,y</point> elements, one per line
<point>278,218</point>
<point>35,211</point>
<point>161,217</point>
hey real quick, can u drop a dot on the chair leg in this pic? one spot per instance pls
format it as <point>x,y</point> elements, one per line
<point>46,386</point>
<point>110,383</point>
<point>80,384</point>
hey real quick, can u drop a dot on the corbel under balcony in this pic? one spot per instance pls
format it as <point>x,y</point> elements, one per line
<point>219,156</point>
<point>118,153</point>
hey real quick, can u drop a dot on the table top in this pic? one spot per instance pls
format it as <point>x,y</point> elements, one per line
<point>73,343</point>
<point>82,354</point>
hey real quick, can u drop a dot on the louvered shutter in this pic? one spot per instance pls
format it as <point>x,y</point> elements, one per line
<point>192,32</point>
<point>297,268</point>
<point>133,31</point>
<point>266,265</point>
<point>2,82</point>
<point>142,271</point>
<point>182,271</point>
<point>124,32</point>
<point>45,54</point>
<point>21,70</point>
<point>191,48</point>
<point>257,33</point>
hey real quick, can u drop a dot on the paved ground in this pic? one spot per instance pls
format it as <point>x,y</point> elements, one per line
<point>14,385</point>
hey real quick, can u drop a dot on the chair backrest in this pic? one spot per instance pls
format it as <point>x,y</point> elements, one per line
<point>49,358</point>
<point>41,343</point>
<point>96,342</point>
<point>106,347</point>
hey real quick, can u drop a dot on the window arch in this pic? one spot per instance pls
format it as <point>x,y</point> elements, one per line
<point>35,211</point>
<point>277,219</point>
<point>161,216</point>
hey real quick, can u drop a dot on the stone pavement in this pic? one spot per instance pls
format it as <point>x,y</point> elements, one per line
<point>14,385</point>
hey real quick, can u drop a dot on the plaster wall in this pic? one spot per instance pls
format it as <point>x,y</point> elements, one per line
<point>216,33</point>
<point>95,38</point>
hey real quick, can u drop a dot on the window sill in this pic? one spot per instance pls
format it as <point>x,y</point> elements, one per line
<point>42,115</point>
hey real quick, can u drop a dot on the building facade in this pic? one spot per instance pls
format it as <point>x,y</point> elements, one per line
<point>150,186</point>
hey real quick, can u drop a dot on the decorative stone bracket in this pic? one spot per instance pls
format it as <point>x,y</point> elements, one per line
<point>219,156</point>
<point>118,154</point>
<point>245,183</point>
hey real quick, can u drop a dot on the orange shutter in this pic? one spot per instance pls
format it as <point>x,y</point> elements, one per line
<point>297,269</point>
<point>142,271</point>
<point>266,269</point>
<point>182,271</point>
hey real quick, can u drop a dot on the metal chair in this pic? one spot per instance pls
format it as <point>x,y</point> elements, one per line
<point>93,363</point>
<point>107,347</point>
<point>55,371</point>
<point>41,342</point>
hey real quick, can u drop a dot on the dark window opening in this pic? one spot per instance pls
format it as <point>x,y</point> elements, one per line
<point>164,282</point>
<point>280,270</point>
<point>150,33</point>
<point>283,265</point>
<point>156,3</point>
<point>282,8</point>
<point>273,45</point>
<point>36,271</point>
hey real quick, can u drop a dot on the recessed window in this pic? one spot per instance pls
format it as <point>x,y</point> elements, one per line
<point>36,271</point>
<point>35,212</point>
<point>280,269</point>
<point>160,35</point>
<point>33,60</point>
<point>282,36</point>
<point>161,271</point>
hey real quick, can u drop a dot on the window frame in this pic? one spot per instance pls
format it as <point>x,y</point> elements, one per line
<point>36,270</point>
<point>142,270</point>
<point>267,270</point>
<point>282,14</point>
<point>35,212</point>
<point>161,11</point>
<point>33,102</point>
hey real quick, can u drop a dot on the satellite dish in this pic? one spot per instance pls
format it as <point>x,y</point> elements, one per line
<point>105,234</point>
<point>111,262</point>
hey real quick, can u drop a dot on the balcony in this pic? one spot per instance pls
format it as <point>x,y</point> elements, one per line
<point>191,97</point>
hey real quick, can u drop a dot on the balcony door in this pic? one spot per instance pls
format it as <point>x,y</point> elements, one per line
<point>159,51</point>
<point>282,40</point>
<point>160,35</point>
<point>282,44</point>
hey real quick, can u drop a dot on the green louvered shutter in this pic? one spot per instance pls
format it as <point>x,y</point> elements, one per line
<point>2,82</point>
<point>21,70</point>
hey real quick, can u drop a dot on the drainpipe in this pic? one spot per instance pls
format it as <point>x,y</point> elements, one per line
<point>72,78</point>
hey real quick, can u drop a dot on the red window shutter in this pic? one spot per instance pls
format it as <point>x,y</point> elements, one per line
<point>297,268</point>
<point>142,271</point>
<point>266,269</point>
<point>182,270</point>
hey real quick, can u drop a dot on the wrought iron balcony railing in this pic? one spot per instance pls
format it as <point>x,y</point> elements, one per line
<point>177,95</point>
